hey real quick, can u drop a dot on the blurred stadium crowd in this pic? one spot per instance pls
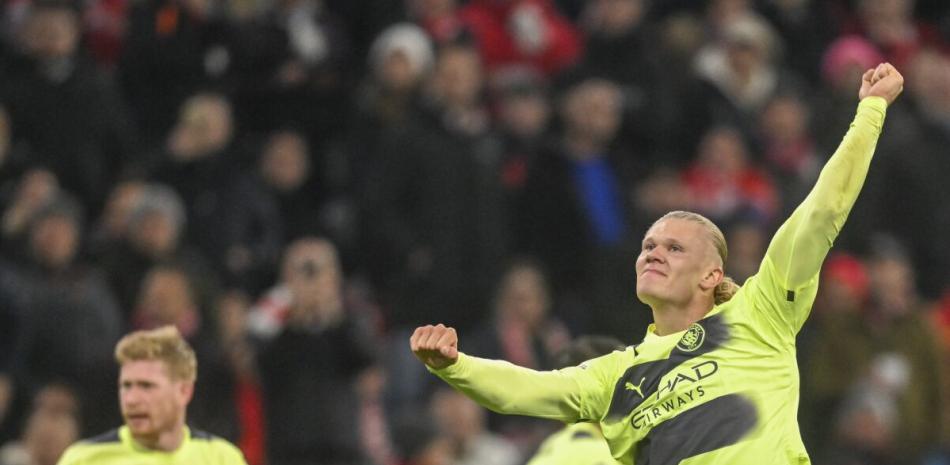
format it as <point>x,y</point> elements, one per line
<point>295,184</point>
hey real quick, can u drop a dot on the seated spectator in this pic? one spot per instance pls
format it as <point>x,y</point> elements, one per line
<point>400,61</point>
<point>375,430</point>
<point>523,110</point>
<point>789,150</point>
<point>522,330</point>
<point>865,427</point>
<point>154,236</point>
<point>897,322</point>
<point>68,111</point>
<point>420,442</point>
<point>577,198</point>
<point>74,319</point>
<point>170,50</point>
<point>286,166</point>
<point>230,217</point>
<point>723,182</point>
<point>112,226</point>
<point>464,423</point>
<point>312,349</point>
<point>848,344</point>
<point>740,73</point>
<point>749,240</point>
<point>435,224</point>
<point>662,191</point>
<point>52,425</point>
<point>166,299</point>
<point>621,46</point>
<point>32,191</point>
<point>825,379</point>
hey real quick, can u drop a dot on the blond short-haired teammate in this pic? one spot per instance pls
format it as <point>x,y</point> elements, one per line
<point>715,380</point>
<point>156,382</point>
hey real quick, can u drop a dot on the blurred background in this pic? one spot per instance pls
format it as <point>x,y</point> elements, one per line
<point>297,184</point>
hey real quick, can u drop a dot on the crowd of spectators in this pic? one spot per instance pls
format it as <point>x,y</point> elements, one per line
<point>296,184</point>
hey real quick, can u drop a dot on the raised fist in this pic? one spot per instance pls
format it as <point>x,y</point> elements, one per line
<point>436,346</point>
<point>884,81</point>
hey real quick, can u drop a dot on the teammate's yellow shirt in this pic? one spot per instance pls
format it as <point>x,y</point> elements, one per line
<point>725,390</point>
<point>117,448</point>
<point>577,444</point>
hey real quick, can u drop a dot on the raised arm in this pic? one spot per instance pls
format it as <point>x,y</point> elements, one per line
<point>566,395</point>
<point>798,249</point>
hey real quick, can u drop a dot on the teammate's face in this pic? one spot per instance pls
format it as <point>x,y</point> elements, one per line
<point>675,257</point>
<point>152,401</point>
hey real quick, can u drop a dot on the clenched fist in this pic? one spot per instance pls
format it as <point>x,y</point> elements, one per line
<point>437,346</point>
<point>884,81</point>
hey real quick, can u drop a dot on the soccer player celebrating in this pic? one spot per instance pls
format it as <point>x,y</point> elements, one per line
<point>715,379</point>
<point>156,382</point>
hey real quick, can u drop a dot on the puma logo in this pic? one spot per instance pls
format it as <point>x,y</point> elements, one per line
<point>635,387</point>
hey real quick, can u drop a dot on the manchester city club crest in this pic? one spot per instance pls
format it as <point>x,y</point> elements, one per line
<point>693,339</point>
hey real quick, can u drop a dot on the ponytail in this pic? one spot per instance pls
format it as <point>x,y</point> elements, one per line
<point>725,290</point>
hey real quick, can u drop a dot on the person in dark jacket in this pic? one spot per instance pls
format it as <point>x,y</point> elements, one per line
<point>74,319</point>
<point>436,204</point>
<point>230,216</point>
<point>576,212</point>
<point>309,357</point>
<point>68,112</point>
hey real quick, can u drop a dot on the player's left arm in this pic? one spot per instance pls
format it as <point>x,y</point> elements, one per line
<point>788,277</point>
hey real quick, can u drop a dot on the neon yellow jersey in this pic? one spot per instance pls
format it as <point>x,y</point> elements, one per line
<point>723,391</point>
<point>117,448</point>
<point>577,444</point>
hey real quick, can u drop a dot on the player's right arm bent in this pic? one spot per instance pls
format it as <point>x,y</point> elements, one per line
<point>568,395</point>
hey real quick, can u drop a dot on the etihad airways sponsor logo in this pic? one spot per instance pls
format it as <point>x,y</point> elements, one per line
<point>673,399</point>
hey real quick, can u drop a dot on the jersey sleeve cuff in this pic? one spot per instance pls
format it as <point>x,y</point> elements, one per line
<point>874,109</point>
<point>454,370</point>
